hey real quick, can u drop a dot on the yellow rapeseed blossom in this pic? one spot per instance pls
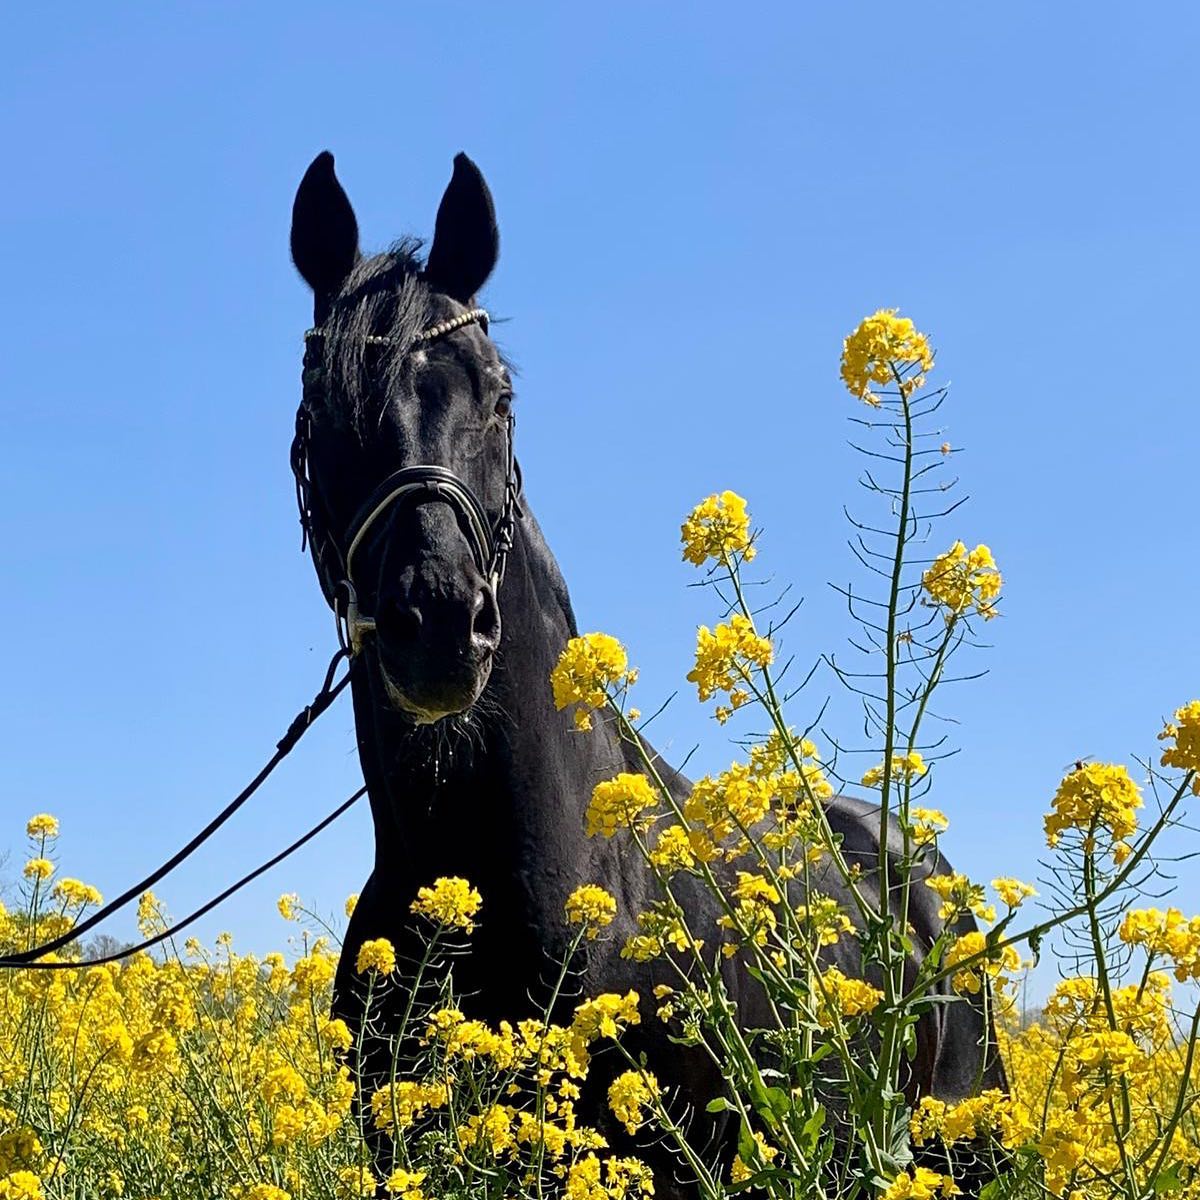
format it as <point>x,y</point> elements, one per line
<point>619,803</point>
<point>1012,892</point>
<point>264,1191</point>
<point>376,954</point>
<point>42,826</point>
<point>451,901</point>
<point>922,1184</point>
<point>926,825</point>
<point>718,528</point>
<point>905,767</point>
<point>740,1171</point>
<point>726,659</point>
<point>673,850</point>
<point>963,579</point>
<point>76,894</point>
<point>406,1184</point>
<point>38,869</point>
<point>1170,934</point>
<point>840,996</point>
<point>590,670</point>
<point>591,906</point>
<point>997,963</point>
<point>992,1115</point>
<point>351,904</point>
<point>287,905</point>
<point>959,895</point>
<point>1092,797</point>
<point>824,918</point>
<point>628,1094</point>
<point>883,343</point>
<point>21,1185</point>
<point>1184,731</point>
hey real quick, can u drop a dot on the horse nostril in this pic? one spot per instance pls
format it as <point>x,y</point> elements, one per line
<point>400,622</point>
<point>485,616</point>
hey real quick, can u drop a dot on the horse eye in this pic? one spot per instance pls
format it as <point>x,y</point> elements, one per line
<point>504,405</point>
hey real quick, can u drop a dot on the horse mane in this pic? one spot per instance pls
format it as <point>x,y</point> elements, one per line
<point>385,295</point>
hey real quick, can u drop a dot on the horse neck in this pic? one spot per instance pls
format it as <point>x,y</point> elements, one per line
<point>497,797</point>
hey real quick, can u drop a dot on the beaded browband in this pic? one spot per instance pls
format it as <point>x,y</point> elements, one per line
<point>426,335</point>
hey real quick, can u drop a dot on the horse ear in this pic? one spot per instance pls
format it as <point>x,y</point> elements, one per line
<point>324,230</point>
<point>466,242</point>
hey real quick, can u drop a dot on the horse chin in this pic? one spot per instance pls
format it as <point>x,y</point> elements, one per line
<point>426,703</point>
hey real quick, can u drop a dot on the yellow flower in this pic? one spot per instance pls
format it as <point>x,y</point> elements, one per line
<point>356,1182</point>
<point>740,1171</point>
<point>883,346</point>
<point>922,1184</point>
<point>960,895</point>
<point>21,1185</point>
<point>1169,934</point>
<point>1185,732</point>
<point>991,1114</point>
<point>619,803</point>
<point>927,824</point>
<point>717,528</point>
<point>726,658</point>
<point>590,670</point>
<point>38,869</point>
<point>841,995</point>
<point>904,767</point>
<point>591,906</point>
<point>996,963</point>
<point>376,954</point>
<point>351,903</point>
<point>962,579</point>
<point>287,905</point>
<point>405,1184</point>
<point>673,851</point>
<point>42,826</point>
<point>823,916</point>
<point>451,901</point>
<point>74,893</point>
<point>1012,891</point>
<point>628,1093</point>
<point>1096,796</point>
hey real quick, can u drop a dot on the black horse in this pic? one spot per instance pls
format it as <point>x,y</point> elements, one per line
<point>428,551</point>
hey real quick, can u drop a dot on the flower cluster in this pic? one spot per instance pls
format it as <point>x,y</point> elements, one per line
<point>451,902</point>
<point>718,528</point>
<point>1184,731</point>
<point>962,580</point>
<point>1095,797</point>
<point>592,907</point>
<point>620,803</point>
<point>726,659</point>
<point>904,768</point>
<point>883,348</point>
<point>591,670</point>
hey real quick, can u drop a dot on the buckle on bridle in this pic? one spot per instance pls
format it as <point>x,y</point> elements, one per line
<point>352,627</point>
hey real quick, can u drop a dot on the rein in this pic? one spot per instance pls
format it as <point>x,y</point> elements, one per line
<point>490,544</point>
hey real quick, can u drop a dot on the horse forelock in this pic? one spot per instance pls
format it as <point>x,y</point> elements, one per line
<point>384,296</point>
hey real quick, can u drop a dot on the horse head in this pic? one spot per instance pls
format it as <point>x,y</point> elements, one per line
<point>404,461</point>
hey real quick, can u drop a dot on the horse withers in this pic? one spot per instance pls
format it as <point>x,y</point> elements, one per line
<point>444,586</point>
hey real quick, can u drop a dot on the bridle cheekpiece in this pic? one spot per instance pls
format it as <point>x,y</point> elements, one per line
<point>490,541</point>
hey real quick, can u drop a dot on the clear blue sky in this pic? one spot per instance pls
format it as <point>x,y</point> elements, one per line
<point>696,204</point>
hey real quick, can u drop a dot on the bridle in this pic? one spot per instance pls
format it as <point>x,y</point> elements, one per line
<point>490,541</point>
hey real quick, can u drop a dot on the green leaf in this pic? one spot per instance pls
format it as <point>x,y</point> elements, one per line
<point>810,1131</point>
<point>719,1105</point>
<point>1167,1180</point>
